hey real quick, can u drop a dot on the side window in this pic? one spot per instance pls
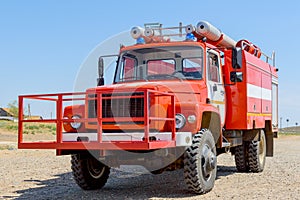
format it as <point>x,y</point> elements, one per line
<point>192,67</point>
<point>213,68</point>
<point>128,66</point>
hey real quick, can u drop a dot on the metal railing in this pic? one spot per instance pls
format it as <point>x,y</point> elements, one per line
<point>245,44</point>
<point>59,144</point>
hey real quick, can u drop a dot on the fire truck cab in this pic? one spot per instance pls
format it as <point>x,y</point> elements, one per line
<point>173,104</point>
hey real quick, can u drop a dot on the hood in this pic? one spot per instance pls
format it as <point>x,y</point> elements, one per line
<point>175,86</point>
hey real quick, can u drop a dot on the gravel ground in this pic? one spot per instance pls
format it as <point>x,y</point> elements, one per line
<point>39,174</point>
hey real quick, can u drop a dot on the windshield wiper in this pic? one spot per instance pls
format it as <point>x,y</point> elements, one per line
<point>162,76</point>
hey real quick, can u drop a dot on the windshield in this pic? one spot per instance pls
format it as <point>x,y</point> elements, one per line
<point>160,63</point>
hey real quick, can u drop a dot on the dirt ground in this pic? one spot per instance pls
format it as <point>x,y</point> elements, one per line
<point>39,174</point>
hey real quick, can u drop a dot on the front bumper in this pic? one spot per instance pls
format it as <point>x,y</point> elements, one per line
<point>182,138</point>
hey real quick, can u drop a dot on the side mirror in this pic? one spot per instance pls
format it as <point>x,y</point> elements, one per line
<point>100,80</point>
<point>236,77</point>
<point>236,58</point>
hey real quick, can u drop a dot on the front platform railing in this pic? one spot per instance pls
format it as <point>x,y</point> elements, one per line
<point>60,99</point>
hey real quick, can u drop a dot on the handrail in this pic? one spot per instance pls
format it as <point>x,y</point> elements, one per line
<point>272,57</point>
<point>146,144</point>
<point>158,27</point>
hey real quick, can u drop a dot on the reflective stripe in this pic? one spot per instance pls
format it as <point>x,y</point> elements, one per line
<point>258,92</point>
<point>258,115</point>
<point>217,102</point>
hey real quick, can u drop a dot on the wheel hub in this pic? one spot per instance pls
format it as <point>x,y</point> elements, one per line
<point>209,161</point>
<point>94,169</point>
<point>212,161</point>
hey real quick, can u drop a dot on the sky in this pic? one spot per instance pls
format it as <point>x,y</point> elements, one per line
<point>45,44</point>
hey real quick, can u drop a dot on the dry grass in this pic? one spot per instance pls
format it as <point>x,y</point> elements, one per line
<point>294,130</point>
<point>31,131</point>
<point>7,147</point>
<point>29,128</point>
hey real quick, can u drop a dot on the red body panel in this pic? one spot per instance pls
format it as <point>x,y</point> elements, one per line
<point>249,103</point>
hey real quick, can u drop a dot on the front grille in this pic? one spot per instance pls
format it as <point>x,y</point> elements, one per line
<point>92,107</point>
<point>117,107</point>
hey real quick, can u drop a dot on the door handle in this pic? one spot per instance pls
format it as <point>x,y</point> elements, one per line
<point>215,88</point>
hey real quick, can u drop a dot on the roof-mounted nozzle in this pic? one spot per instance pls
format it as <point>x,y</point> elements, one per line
<point>137,32</point>
<point>154,32</point>
<point>207,30</point>
<point>189,29</point>
<point>149,32</point>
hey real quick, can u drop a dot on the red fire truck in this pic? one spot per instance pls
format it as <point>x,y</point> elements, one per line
<point>173,104</point>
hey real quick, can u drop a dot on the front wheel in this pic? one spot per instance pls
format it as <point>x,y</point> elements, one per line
<point>88,172</point>
<point>200,163</point>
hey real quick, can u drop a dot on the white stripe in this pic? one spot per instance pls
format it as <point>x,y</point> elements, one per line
<point>182,138</point>
<point>258,92</point>
<point>274,80</point>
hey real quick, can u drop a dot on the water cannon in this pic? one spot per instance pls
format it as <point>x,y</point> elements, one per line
<point>189,29</point>
<point>149,32</point>
<point>205,29</point>
<point>153,33</point>
<point>218,38</point>
<point>137,32</point>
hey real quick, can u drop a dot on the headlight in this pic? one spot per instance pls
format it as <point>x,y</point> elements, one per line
<point>75,125</point>
<point>180,121</point>
<point>191,119</point>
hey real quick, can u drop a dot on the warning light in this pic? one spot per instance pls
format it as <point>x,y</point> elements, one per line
<point>190,37</point>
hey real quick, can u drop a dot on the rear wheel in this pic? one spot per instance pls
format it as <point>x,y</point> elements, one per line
<point>240,157</point>
<point>257,153</point>
<point>88,172</point>
<point>251,156</point>
<point>200,163</point>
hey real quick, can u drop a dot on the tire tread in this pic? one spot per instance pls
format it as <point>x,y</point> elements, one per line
<point>82,177</point>
<point>191,159</point>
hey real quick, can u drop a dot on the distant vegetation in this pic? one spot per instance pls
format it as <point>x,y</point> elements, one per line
<point>294,130</point>
<point>7,147</point>
<point>29,128</point>
<point>13,108</point>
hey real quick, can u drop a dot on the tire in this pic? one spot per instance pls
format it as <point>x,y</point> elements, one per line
<point>88,172</point>
<point>241,159</point>
<point>257,154</point>
<point>200,163</point>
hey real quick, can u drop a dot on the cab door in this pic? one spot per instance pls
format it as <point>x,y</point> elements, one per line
<point>216,90</point>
